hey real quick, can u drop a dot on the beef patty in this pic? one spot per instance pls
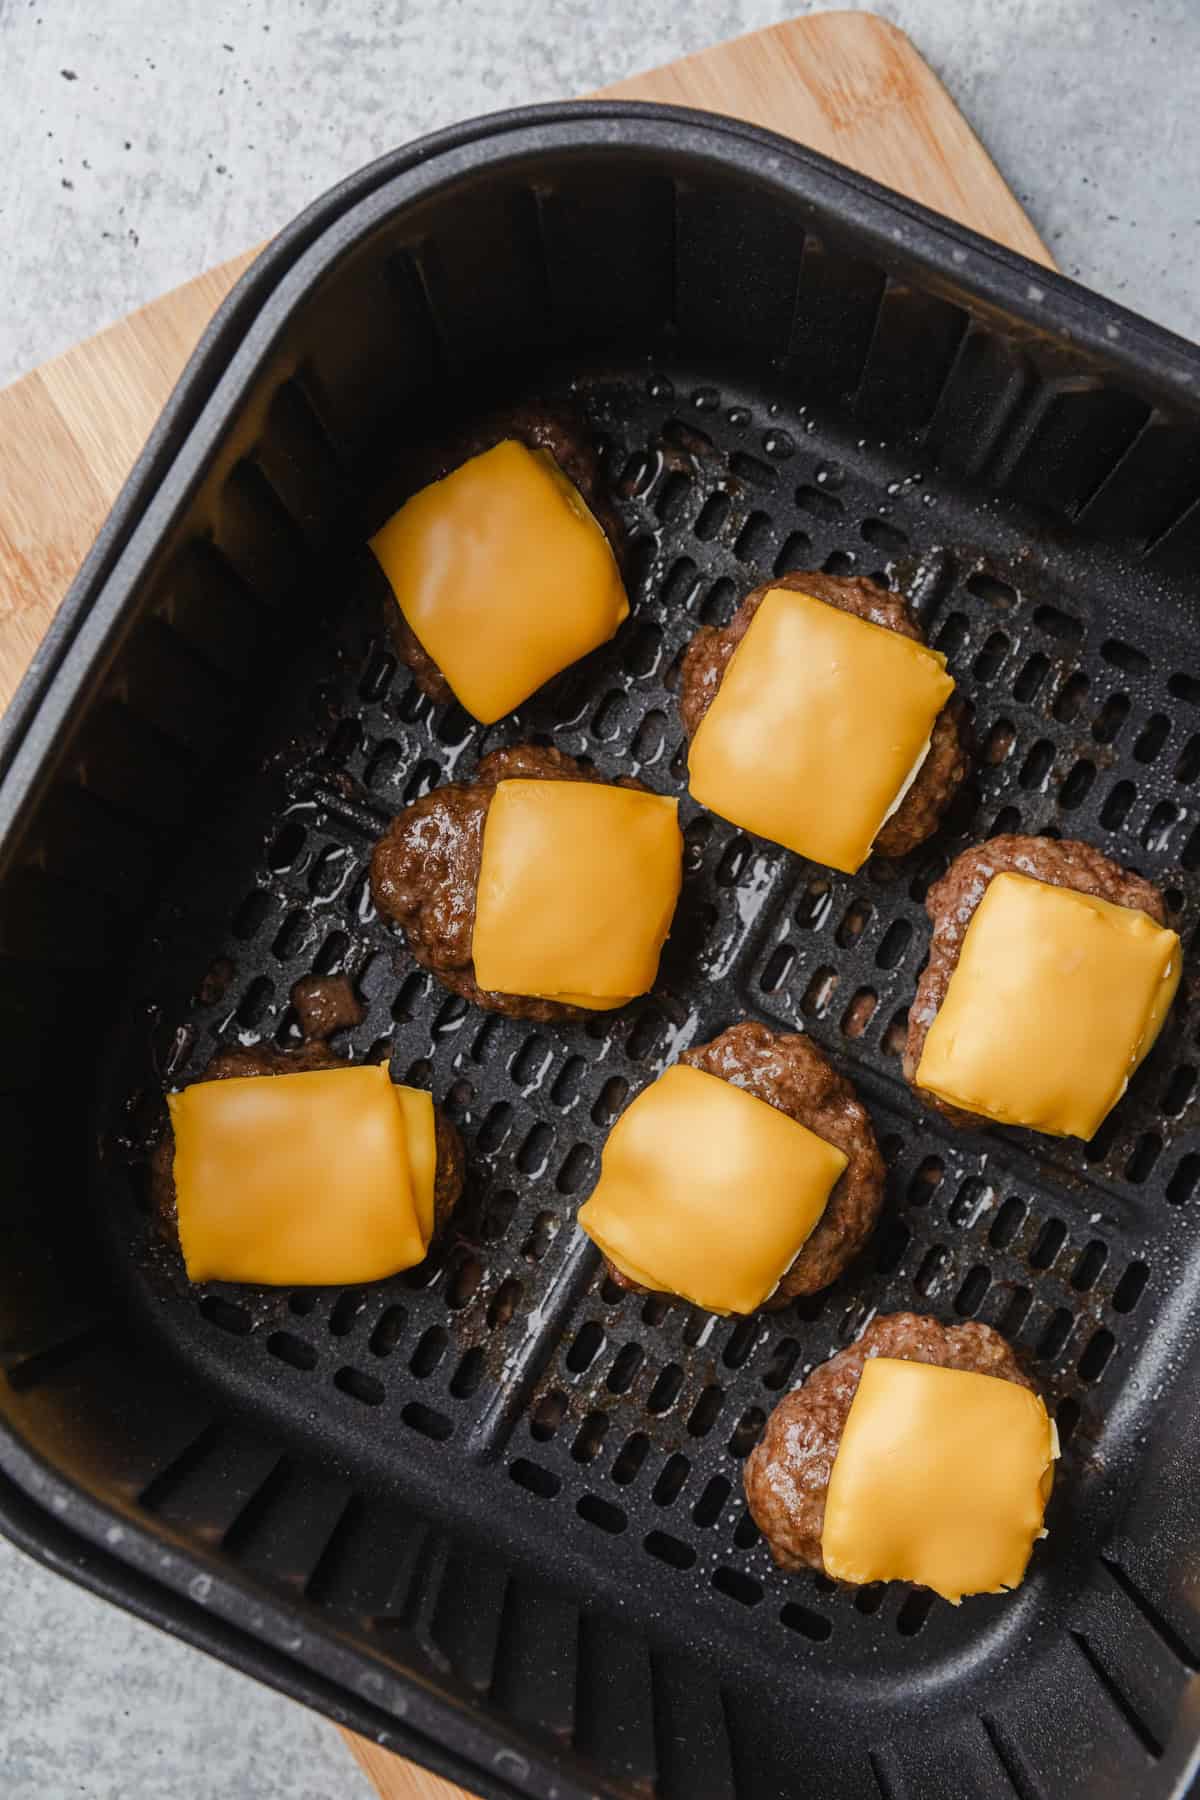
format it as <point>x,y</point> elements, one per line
<point>789,1072</point>
<point>787,1474</point>
<point>538,428</point>
<point>234,1062</point>
<point>947,760</point>
<point>951,904</point>
<point>425,872</point>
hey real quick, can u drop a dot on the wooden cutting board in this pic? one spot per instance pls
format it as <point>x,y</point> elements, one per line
<point>847,84</point>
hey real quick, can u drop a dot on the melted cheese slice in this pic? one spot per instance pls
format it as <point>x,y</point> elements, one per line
<point>420,1139</point>
<point>708,1192</point>
<point>320,1178</point>
<point>503,575</point>
<point>577,889</point>
<point>819,722</point>
<point>941,1477</point>
<point>1055,1000</point>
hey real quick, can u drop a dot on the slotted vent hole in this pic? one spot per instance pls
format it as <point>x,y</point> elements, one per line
<point>1151,738</point>
<point>547,1416</point>
<point>665,1392</point>
<point>741,1342</point>
<point>1179,1091</point>
<point>914,1611</point>
<point>990,660</point>
<point>1130,1288</point>
<point>604,1513</point>
<point>670,1550</point>
<point>818,995</point>
<point>542,1483</point>
<point>1125,657</point>
<point>738,1586</point>
<point>704,1414</point>
<point>1094,1360</point>
<point>746,1533</point>
<point>1188,766</point>
<point>628,1361</point>
<point>926,1181</point>
<point>974,1198</point>
<point>1075,789</point>
<point>1110,718</point>
<point>747,1432</point>
<point>854,922</point>
<point>711,1503</point>
<point>812,1625</point>
<point>429,1351</point>
<point>671,1480</point>
<point>1050,1241</point>
<point>1182,1184</point>
<point>589,1439</point>
<point>1055,1333</point>
<point>779,966</point>
<point>468,1375</point>
<point>1090,1266</point>
<point>589,1342</point>
<point>292,1350</point>
<point>360,1386</point>
<point>860,1012</point>
<point>630,1458</point>
<point>1068,702</point>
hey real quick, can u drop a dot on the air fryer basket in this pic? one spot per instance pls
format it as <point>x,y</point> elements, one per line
<point>491,1510</point>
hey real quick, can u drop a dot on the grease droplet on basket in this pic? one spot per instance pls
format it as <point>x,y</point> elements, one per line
<point>778,444</point>
<point>706,399</point>
<point>831,475</point>
<point>659,388</point>
<point>739,417</point>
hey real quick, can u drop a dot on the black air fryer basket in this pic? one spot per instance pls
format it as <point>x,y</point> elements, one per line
<point>490,1512</point>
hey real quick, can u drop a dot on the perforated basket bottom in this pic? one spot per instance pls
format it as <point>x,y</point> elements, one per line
<point>505,1383</point>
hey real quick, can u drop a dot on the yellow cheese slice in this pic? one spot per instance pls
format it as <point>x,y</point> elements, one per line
<point>820,722</point>
<point>1055,1000</point>
<point>420,1138</point>
<point>708,1192</point>
<point>503,575</point>
<point>942,1478</point>
<point>577,889</point>
<point>319,1178</point>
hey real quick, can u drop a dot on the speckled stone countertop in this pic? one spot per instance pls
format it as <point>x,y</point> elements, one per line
<point>141,141</point>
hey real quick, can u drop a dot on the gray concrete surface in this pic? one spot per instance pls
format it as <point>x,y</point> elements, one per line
<point>94,1705</point>
<point>141,140</point>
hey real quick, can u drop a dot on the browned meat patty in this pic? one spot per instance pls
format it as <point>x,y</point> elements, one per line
<point>425,872</point>
<point>951,904</point>
<point>789,1072</point>
<point>787,1474</point>
<point>234,1062</point>
<point>539,428</point>
<point>946,765</point>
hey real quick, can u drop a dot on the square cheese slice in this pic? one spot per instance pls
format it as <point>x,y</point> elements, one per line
<point>708,1192</point>
<point>503,575</point>
<point>941,1477</point>
<point>317,1178</point>
<point>577,888</point>
<point>1055,1000</point>
<point>819,725</point>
